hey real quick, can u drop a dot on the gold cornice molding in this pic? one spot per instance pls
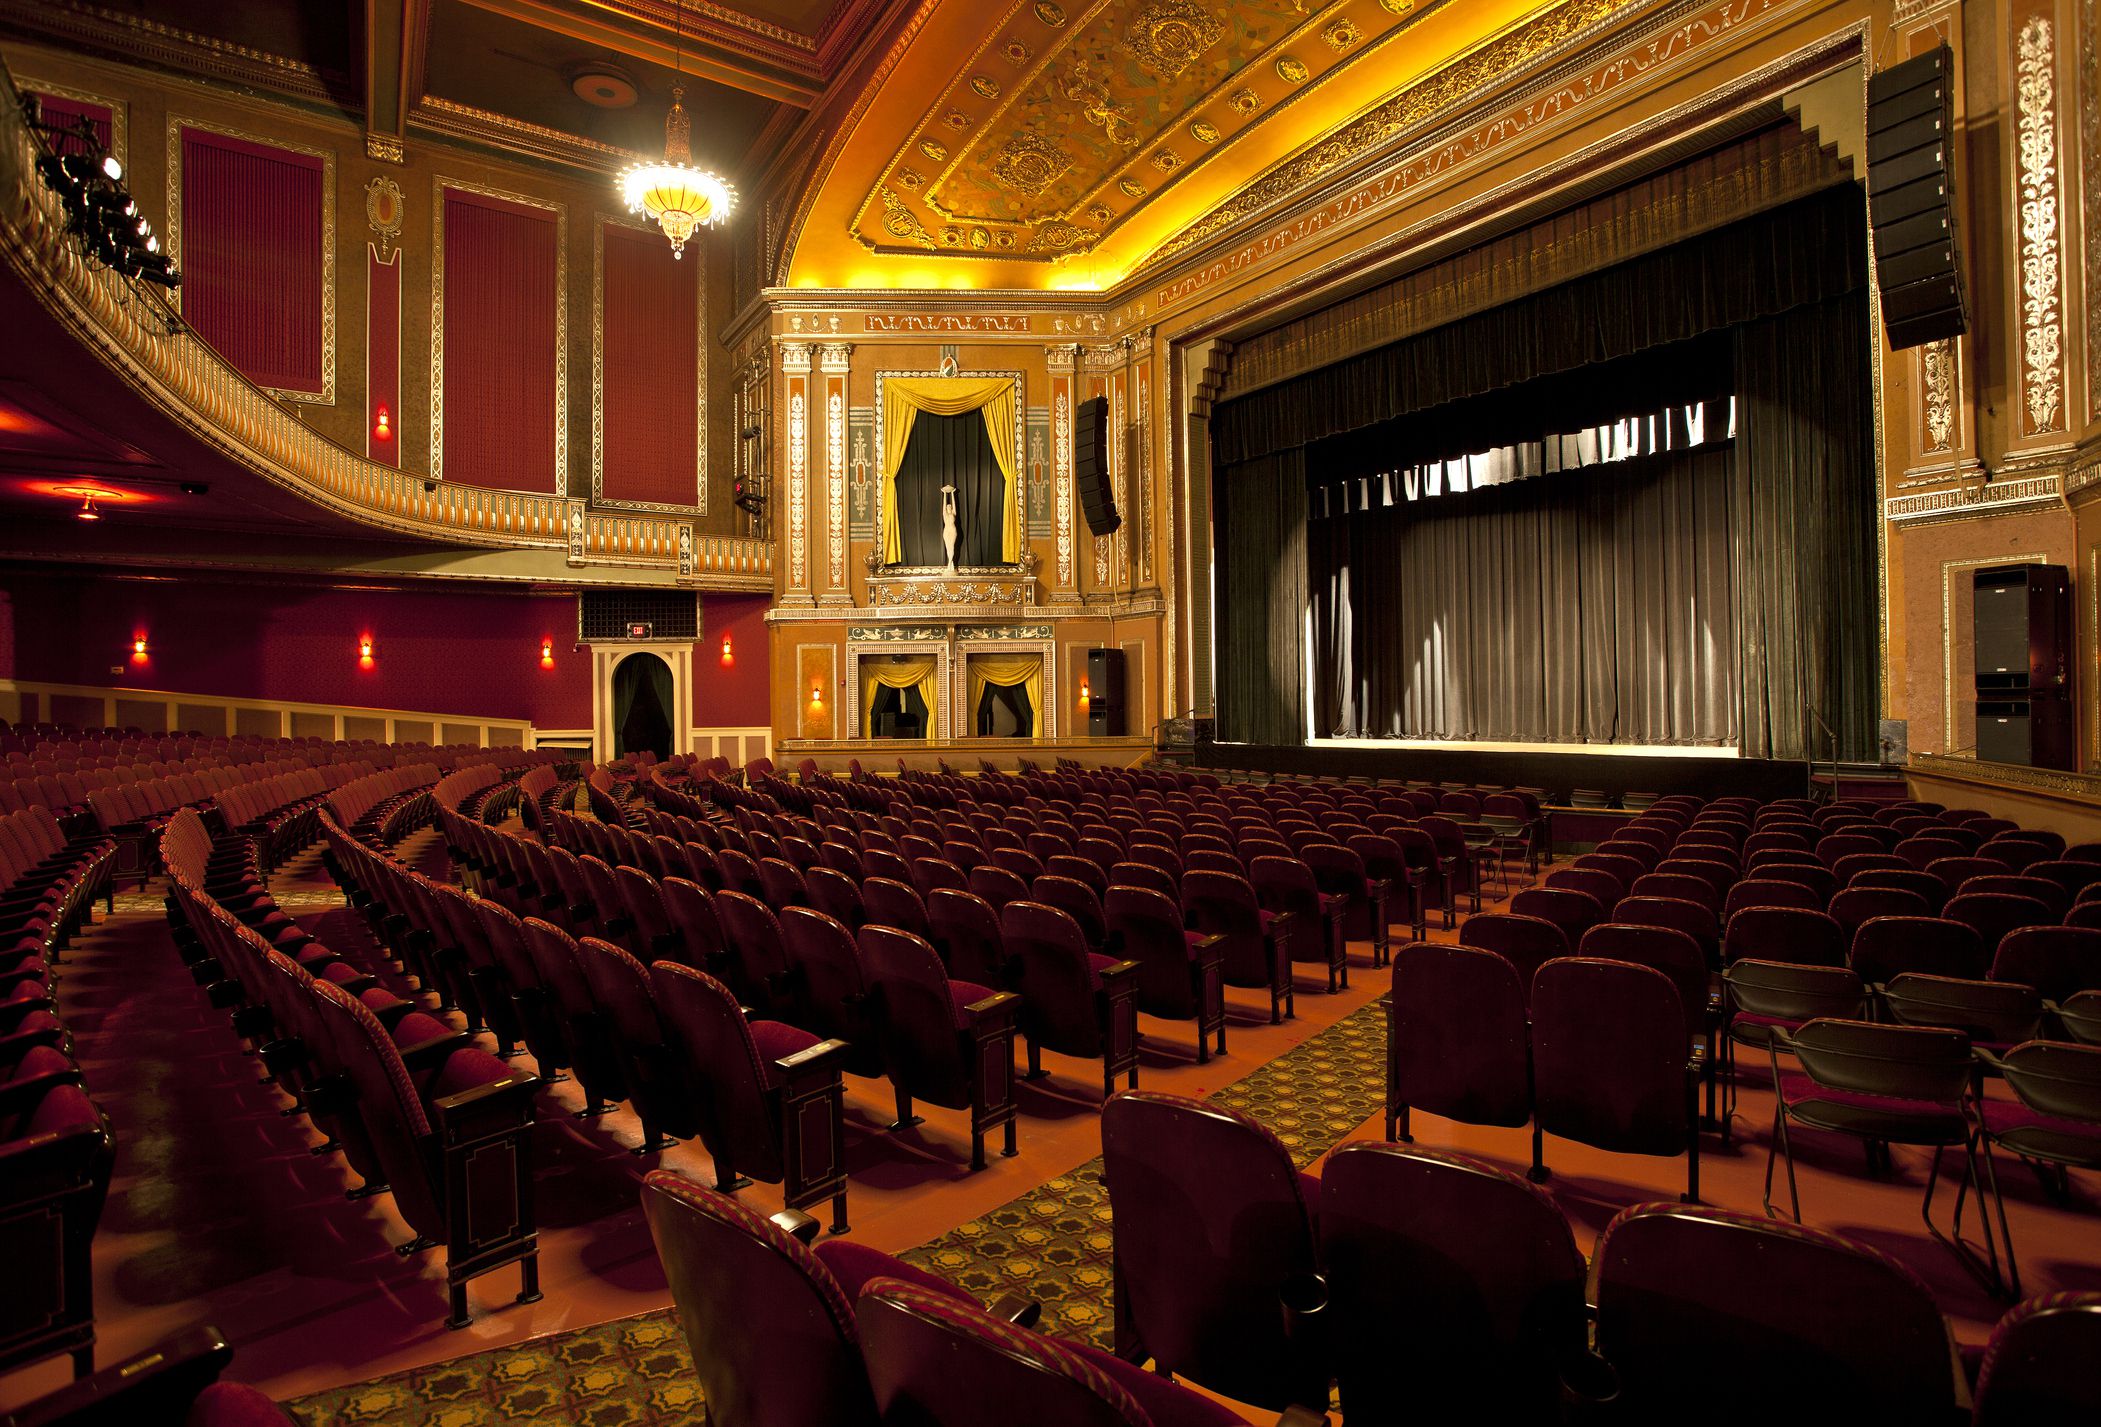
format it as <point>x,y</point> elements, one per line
<point>463,122</point>
<point>211,402</point>
<point>126,35</point>
<point>2084,786</point>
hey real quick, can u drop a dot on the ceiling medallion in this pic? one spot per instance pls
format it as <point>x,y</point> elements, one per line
<point>1029,163</point>
<point>1167,160</point>
<point>909,178</point>
<point>900,223</point>
<point>1059,236</point>
<point>1100,213</point>
<point>937,152</point>
<point>1054,15</point>
<point>1291,71</point>
<point>1397,7</point>
<point>984,87</point>
<point>1204,132</point>
<point>1131,187</point>
<point>1341,35</point>
<point>1170,35</point>
<point>956,119</point>
<point>1018,53</point>
<point>383,211</point>
<point>1245,102</point>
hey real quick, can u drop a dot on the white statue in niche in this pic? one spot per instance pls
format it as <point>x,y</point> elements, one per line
<point>948,525</point>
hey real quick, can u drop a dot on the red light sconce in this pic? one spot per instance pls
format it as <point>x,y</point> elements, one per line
<point>139,649</point>
<point>382,425</point>
<point>1083,693</point>
<point>547,654</point>
<point>729,657</point>
<point>364,651</point>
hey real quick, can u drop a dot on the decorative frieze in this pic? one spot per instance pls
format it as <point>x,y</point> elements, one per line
<point>2035,107</point>
<point>1989,498</point>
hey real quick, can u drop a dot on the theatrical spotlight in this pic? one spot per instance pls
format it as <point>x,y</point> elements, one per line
<point>100,211</point>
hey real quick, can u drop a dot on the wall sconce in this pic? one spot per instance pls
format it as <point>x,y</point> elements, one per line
<point>364,651</point>
<point>87,509</point>
<point>816,695</point>
<point>547,654</point>
<point>382,426</point>
<point>729,658</point>
<point>138,648</point>
<point>1083,691</point>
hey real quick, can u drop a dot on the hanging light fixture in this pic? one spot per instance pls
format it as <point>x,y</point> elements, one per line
<point>679,197</point>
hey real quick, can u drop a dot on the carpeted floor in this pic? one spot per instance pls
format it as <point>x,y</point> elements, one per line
<point>1052,1244</point>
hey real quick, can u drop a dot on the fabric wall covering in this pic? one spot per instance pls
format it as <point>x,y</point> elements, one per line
<point>501,329</point>
<point>252,259</point>
<point>650,331</point>
<point>383,355</point>
<point>63,112</point>
<point>903,399</point>
<point>912,671</point>
<point>1007,671</point>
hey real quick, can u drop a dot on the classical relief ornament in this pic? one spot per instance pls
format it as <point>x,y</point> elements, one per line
<point>1018,594</point>
<point>835,482</point>
<point>384,210</point>
<point>2035,98</point>
<point>382,148</point>
<point>1029,163</point>
<point>798,513</point>
<point>1938,362</point>
<point>900,222</point>
<point>1168,36</point>
<point>1061,428</point>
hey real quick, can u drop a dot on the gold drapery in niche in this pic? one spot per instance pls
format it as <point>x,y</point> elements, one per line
<point>902,671</point>
<point>904,398</point>
<point>1006,671</point>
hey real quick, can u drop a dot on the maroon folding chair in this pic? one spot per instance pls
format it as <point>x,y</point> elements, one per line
<point>1456,1038</point>
<point>1527,943</point>
<point>1255,945</point>
<point>2038,1366</point>
<point>950,1042</point>
<point>1180,972</point>
<point>1074,1001</point>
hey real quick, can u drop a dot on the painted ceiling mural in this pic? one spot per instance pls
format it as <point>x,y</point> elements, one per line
<point>1070,115</point>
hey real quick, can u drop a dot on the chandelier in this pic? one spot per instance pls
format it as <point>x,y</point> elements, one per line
<point>678,197</point>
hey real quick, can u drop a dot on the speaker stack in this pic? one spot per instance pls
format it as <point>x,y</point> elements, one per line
<point>2024,666</point>
<point>1911,200</point>
<point>1105,696</point>
<point>1090,468</point>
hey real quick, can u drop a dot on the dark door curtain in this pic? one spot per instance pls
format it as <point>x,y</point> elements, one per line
<point>898,713</point>
<point>1004,712</point>
<point>1590,607</point>
<point>642,702</point>
<point>949,450</point>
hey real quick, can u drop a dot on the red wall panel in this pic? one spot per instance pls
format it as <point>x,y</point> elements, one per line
<point>501,283</point>
<point>252,257</point>
<point>467,652</point>
<point>652,369</point>
<point>735,697</point>
<point>383,356</point>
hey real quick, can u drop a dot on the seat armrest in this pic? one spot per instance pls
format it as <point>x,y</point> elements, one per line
<point>428,1055</point>
<point>1114,977</point>
<point>797,1223</point>
<point>157,1385</point>
<point>825,1056</point>
<point>998,1003</point>
<point>475,1100</point>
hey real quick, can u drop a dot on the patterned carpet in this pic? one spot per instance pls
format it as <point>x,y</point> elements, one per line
<point>1051,1244</point>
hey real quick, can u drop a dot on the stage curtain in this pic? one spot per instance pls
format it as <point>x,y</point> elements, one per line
<point>1007,671</point>
<point>1803,252</point>
<point>252,259</point>
<point>1805,476</point>
<point>903,399</point>
<point>915,671</point>
<point>1259,560</point>
<point>949,451</point>
<point>1591,609</point>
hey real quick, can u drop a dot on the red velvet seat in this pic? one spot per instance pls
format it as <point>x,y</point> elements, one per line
<point>1693,918</point>
<point>1778,933</point>
<point>1284,886</point>
<point>1256,944</point>
<point>2039,1365</point>
<point>584,1029</point>
<point>1186,1179</point>
<point>947,1041</point>
<point>1610,1063</point>
<point>1800,1325</point>
<point>653,1071</point>
<point>833,987</point>
<point>2059,962</point>
<point>1074,1001</point>
<point>1456,1288</point>
<point>1180,972</point>
<point>1077,900</point>
<point>887,902</point>
<point>756,959</point>
<point>837,895</point>
<point>1457,1037</point>
<point>1574,912</point>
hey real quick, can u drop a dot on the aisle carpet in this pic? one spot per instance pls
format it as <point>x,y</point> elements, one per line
<point>1052,1244</point>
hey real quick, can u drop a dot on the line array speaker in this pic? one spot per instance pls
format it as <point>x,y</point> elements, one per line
<point>1911,200</point>
<point>1090,441</point>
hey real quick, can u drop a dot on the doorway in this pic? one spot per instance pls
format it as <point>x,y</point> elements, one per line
<point>642,703</point>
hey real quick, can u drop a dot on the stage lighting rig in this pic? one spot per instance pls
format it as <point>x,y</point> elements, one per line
<point>100,212</point>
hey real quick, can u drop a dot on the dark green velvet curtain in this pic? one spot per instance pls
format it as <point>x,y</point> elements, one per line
<point>1790,606</point>
<point>950,450</point>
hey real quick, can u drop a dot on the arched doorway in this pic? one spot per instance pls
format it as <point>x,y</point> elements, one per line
<point>643,701</point>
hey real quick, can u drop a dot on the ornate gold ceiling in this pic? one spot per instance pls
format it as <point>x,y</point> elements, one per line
<point>1062,143</point>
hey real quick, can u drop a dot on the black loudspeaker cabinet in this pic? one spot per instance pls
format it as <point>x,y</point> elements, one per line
<point>1911,200</point>
<point>2024,629</point>
<point>1090,469</point>
<point>2034,731</point>
<point>1105,694</point>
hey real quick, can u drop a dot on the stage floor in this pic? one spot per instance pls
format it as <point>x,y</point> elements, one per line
<point>1567,750</point>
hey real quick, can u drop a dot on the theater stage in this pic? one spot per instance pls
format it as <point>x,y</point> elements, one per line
<point>1613,769</point>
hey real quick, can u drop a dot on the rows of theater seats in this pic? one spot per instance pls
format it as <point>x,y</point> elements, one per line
<point>416,1109</point>
<point>1914,975</point>
<point>56,1149</point>
<point>1423,1286</point>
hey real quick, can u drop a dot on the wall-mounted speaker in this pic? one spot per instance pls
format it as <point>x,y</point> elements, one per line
<point>2023,628</point>
<point>2033,731</point>
<point>1911,200</point>
<point>1090,468</point>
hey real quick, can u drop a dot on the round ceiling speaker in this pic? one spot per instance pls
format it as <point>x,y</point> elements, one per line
<point>604,86</point>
